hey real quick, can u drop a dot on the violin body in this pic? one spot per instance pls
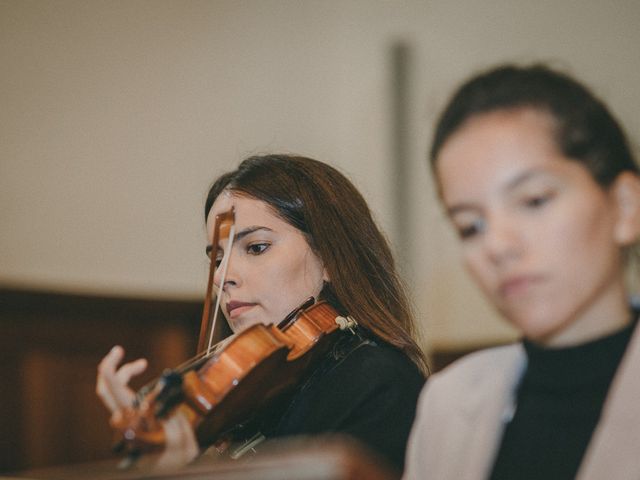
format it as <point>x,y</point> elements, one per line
<point>253,371</point>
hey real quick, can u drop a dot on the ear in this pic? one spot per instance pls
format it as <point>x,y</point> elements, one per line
<point>325,276</point>
<point>626,193</point>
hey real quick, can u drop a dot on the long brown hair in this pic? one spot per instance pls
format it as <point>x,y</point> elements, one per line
<point>334,217</point>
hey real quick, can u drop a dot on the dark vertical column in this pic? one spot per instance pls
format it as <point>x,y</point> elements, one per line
<point>400,98</point>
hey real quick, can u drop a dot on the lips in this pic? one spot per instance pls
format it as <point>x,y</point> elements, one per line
<point>517,285</point>
<point>235,308</point>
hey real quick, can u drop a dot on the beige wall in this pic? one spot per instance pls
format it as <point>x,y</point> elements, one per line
<point>116,115</point>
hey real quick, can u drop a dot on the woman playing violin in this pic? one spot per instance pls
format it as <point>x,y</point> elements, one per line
<point>302,230</point>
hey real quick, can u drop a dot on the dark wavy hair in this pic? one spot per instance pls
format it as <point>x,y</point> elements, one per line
<point>584,129</point>
<point>325,206</point>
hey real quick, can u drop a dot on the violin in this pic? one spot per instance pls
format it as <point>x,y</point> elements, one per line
<point>236,381</point>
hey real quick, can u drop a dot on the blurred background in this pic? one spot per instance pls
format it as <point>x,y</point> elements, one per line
<point>115,117</point>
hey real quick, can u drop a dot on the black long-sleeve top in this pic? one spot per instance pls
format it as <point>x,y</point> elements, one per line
<point>362,388</point>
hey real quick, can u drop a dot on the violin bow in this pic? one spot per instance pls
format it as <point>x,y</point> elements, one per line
<point>223,228</point>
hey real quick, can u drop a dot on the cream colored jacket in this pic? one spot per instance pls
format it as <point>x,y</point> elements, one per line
<point>462,412</point>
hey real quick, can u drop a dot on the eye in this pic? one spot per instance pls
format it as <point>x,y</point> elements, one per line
<point>466,231</point>
<point>537,201</point>
<point>257,248</point>
<point>218,257</point>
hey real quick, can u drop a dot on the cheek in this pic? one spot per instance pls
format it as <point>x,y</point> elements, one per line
<point>283,285</point>
<point>302,279</point>
<point>477,270</point>
<point>589,235</point>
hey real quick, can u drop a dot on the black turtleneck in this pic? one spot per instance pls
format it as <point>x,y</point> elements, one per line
<point>559,401</point>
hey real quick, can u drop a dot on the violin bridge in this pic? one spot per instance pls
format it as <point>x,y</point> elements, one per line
<point>346,323</point>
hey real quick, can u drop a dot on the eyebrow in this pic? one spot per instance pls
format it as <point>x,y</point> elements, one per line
<point>510,186</point>
<point>524,177</point>
<point>240,235</point>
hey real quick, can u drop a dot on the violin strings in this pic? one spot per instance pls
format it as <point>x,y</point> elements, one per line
<point>190,363</point>
<point>223,276</point>
<point>210,352</point>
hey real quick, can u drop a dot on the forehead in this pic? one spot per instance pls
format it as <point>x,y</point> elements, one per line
<point>249,211</point>
<point>490,150</point>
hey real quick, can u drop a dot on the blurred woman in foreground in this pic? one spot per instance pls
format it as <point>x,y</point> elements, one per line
<point>537,178</point>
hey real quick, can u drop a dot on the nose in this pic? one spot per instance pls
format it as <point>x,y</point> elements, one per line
<point>502,240</point>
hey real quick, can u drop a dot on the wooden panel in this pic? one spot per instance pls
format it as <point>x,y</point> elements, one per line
<point>320,458</point>
<point>50,346</point>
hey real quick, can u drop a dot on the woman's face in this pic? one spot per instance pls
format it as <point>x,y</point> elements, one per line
<point>271,269</point>
<point>539,236</point>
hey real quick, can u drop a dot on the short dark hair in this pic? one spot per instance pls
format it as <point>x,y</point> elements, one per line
<point>585,130</point>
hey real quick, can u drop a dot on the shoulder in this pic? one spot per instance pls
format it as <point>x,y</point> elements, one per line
<point>473,370</point>
<point>355,385</point>
<point>372,364</point>
<point>477,376</point>
<point>453,401</point>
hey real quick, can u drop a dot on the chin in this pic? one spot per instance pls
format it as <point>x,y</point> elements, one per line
<point>539,337</point>
<point>240,324</point>
<point>538,326</point>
